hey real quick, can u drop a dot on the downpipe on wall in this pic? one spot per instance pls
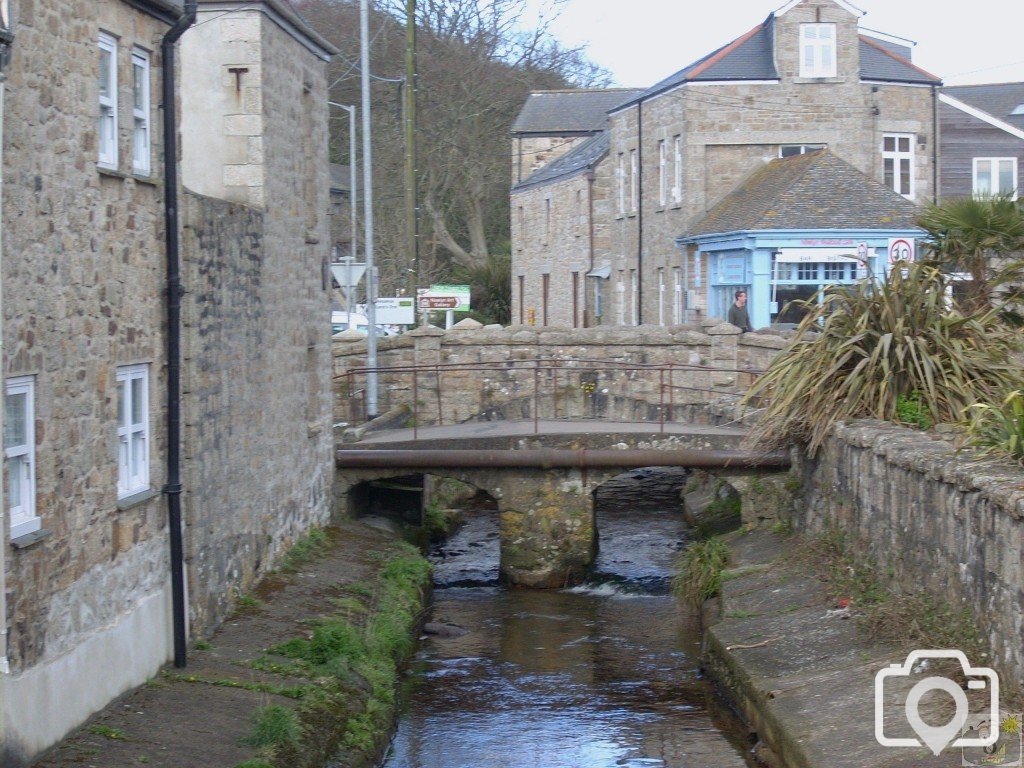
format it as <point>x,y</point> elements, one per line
<point>172,489</point>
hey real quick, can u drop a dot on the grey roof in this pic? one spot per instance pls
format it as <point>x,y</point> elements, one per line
<point>165,10</point>
<point>816,190</point>
<point>567,112</point>
<point>879,61</point>
<point>577,160</point>
<point>998,99</point>
<point>751,57</point>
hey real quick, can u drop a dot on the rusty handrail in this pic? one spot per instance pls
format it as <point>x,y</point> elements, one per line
<point>552,365</point>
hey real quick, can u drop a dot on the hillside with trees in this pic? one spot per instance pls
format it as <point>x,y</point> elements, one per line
<point>477,60</point>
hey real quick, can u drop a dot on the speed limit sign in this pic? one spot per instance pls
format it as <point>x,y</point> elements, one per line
<point>901,249</point>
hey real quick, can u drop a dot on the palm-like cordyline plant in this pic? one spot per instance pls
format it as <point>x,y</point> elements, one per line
<point>866,345</point>
<point>982,236</point>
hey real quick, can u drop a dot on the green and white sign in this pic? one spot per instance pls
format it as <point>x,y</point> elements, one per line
<point>453,297</point>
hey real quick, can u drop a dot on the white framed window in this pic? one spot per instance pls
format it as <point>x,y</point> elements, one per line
<point>140,112</point>
<point>662,173</point>
<point>632,181</point>
<point>620,173</point>
<point>20,455</point>
<point>620,291</point>
<point>108,101</point>
<point>898,162</point>
<point>132,429</point>
<point>677,171</point>
<point>817,50</point>
<point>995,176</point>
<point>789,150</point>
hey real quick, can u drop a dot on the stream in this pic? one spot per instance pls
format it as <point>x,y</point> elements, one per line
<point>604,675</point>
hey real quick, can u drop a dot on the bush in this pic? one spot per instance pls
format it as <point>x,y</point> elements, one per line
<point>274,726</point>
<point>866,346</point>
<point>999,429</point>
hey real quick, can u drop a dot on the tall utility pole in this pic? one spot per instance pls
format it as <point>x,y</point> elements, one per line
<point>412,219</point>
<point>371,281</point>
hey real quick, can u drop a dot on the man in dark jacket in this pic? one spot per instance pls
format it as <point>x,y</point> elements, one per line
<point>738,312</point>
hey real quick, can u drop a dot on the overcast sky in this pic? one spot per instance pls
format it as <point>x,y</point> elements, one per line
<point>642,41</point>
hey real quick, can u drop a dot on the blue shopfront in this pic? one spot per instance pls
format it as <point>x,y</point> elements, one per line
<point>777,268</point>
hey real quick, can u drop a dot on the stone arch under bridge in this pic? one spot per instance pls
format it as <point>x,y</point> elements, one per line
<point>548,527</point>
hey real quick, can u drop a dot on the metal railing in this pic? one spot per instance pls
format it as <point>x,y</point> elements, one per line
<point>542,388</point>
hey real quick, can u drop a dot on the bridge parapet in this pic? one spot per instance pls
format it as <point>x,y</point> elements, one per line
<point>637,373</point>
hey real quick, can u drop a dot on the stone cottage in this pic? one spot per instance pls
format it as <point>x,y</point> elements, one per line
<point>87,595</point>
<point>805,78</point>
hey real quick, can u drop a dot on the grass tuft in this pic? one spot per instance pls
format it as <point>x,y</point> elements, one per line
<point>700,572</point>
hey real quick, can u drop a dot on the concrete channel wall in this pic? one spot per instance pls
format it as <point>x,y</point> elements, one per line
<point>933,519</point>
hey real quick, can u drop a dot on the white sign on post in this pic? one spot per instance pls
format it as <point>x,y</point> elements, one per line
<point>901,249</point>
<point>400,310</point>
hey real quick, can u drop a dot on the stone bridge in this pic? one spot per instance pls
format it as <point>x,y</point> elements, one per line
<point>543,478</point>
<point>637,373</point>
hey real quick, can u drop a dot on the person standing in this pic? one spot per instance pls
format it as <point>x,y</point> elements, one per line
<point>738,314</point>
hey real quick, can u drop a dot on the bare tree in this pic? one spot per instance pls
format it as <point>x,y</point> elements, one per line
<point>477,62</point>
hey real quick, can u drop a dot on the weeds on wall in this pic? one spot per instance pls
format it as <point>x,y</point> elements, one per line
<point>700,571</point>
<point>998,429</point>
<point>905,619</point>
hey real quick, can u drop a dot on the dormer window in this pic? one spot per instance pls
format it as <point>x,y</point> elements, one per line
<point>817,50</point>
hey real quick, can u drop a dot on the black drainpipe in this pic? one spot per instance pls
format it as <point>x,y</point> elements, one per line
<point>640,213</point>
<point>174,293</point>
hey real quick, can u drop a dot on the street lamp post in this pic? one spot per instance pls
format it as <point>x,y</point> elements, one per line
<point>371,287</point>
<point>353,248</point>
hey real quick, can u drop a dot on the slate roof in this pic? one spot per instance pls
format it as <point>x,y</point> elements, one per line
<point>572,111</point>
<point>998,99</point>
<point>578,159</point>
<point>751,57</point>
<point>879,61</point>
<point>816,190</point>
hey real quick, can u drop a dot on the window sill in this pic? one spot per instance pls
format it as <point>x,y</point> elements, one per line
<point>128,502</point>
<point>31,539</point>
<point>149,181</point>
<point>113,173</point>
<point>823,79</point>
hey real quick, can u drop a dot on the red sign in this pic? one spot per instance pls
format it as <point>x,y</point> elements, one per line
<point>438,302</point>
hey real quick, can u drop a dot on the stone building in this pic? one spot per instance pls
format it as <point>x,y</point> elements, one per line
<point>805,78</point>
<point>87,595</point>
<point>86,568</point>
<point>257,429</point>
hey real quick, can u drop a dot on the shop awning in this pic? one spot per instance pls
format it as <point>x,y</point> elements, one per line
<point>603,272</point>
<point>816,255</point>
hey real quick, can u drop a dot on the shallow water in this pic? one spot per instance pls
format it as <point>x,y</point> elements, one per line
<point>604,675</point>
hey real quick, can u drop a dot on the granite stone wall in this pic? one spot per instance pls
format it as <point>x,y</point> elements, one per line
<point>478,375</point>
<point>934,519</point>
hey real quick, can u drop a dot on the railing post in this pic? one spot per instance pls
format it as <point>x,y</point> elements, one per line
<point>415,403</point>
<point>671,392</point>
<point>661,400</point>
<point>536,394</point>
<point>437,380</point>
